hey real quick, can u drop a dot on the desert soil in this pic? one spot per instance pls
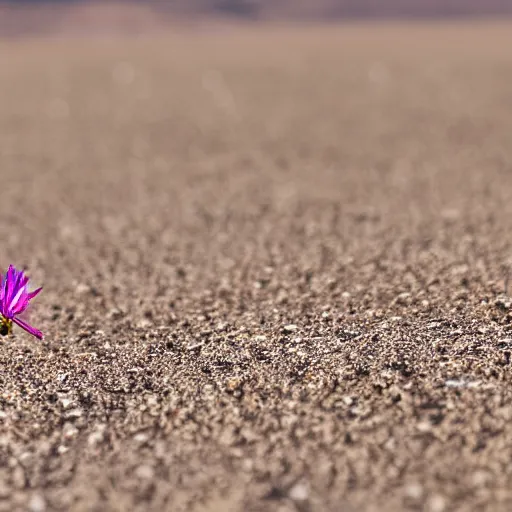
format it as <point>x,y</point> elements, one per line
<point>275,270</point>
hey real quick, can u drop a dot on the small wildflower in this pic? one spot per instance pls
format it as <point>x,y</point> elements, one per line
<point>14,300</point>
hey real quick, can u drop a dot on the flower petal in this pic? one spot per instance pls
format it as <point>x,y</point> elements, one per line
<point>32,330</point>
<point>5,288</point>
<point>17,299</point>
<point>10,285</point>
<point>31,295</point>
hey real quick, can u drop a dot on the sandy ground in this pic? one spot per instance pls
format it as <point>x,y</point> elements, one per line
<point>274,267</point>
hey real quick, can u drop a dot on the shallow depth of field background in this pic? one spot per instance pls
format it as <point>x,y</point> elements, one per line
<point>275,253</point>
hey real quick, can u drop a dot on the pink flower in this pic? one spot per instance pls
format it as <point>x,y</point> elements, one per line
<point>14,300</point>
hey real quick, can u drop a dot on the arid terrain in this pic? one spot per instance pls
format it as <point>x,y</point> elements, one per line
<point>275,264</point>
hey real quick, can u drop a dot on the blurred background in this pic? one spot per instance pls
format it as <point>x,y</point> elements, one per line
<point>273,255</point>
<point>46,16</point>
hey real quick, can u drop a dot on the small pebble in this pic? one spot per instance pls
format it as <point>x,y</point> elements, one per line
<point>70,431</point>
<point>82,289</point>
<point>414,491</point>
<point>66,403</point>
<point>481,478</point>
<point>144,472</point>
<point>141,438</point>
<point>73,414</point>
<point>436,504</point>
<point>299,492</point>
<point>96,438</point>
<point>37,503</point>
<point>233,383</point>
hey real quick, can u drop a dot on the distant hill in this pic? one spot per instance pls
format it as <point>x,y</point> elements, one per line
<point>312,8</point>
<point>322,9</point>
<point>20,17</point>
